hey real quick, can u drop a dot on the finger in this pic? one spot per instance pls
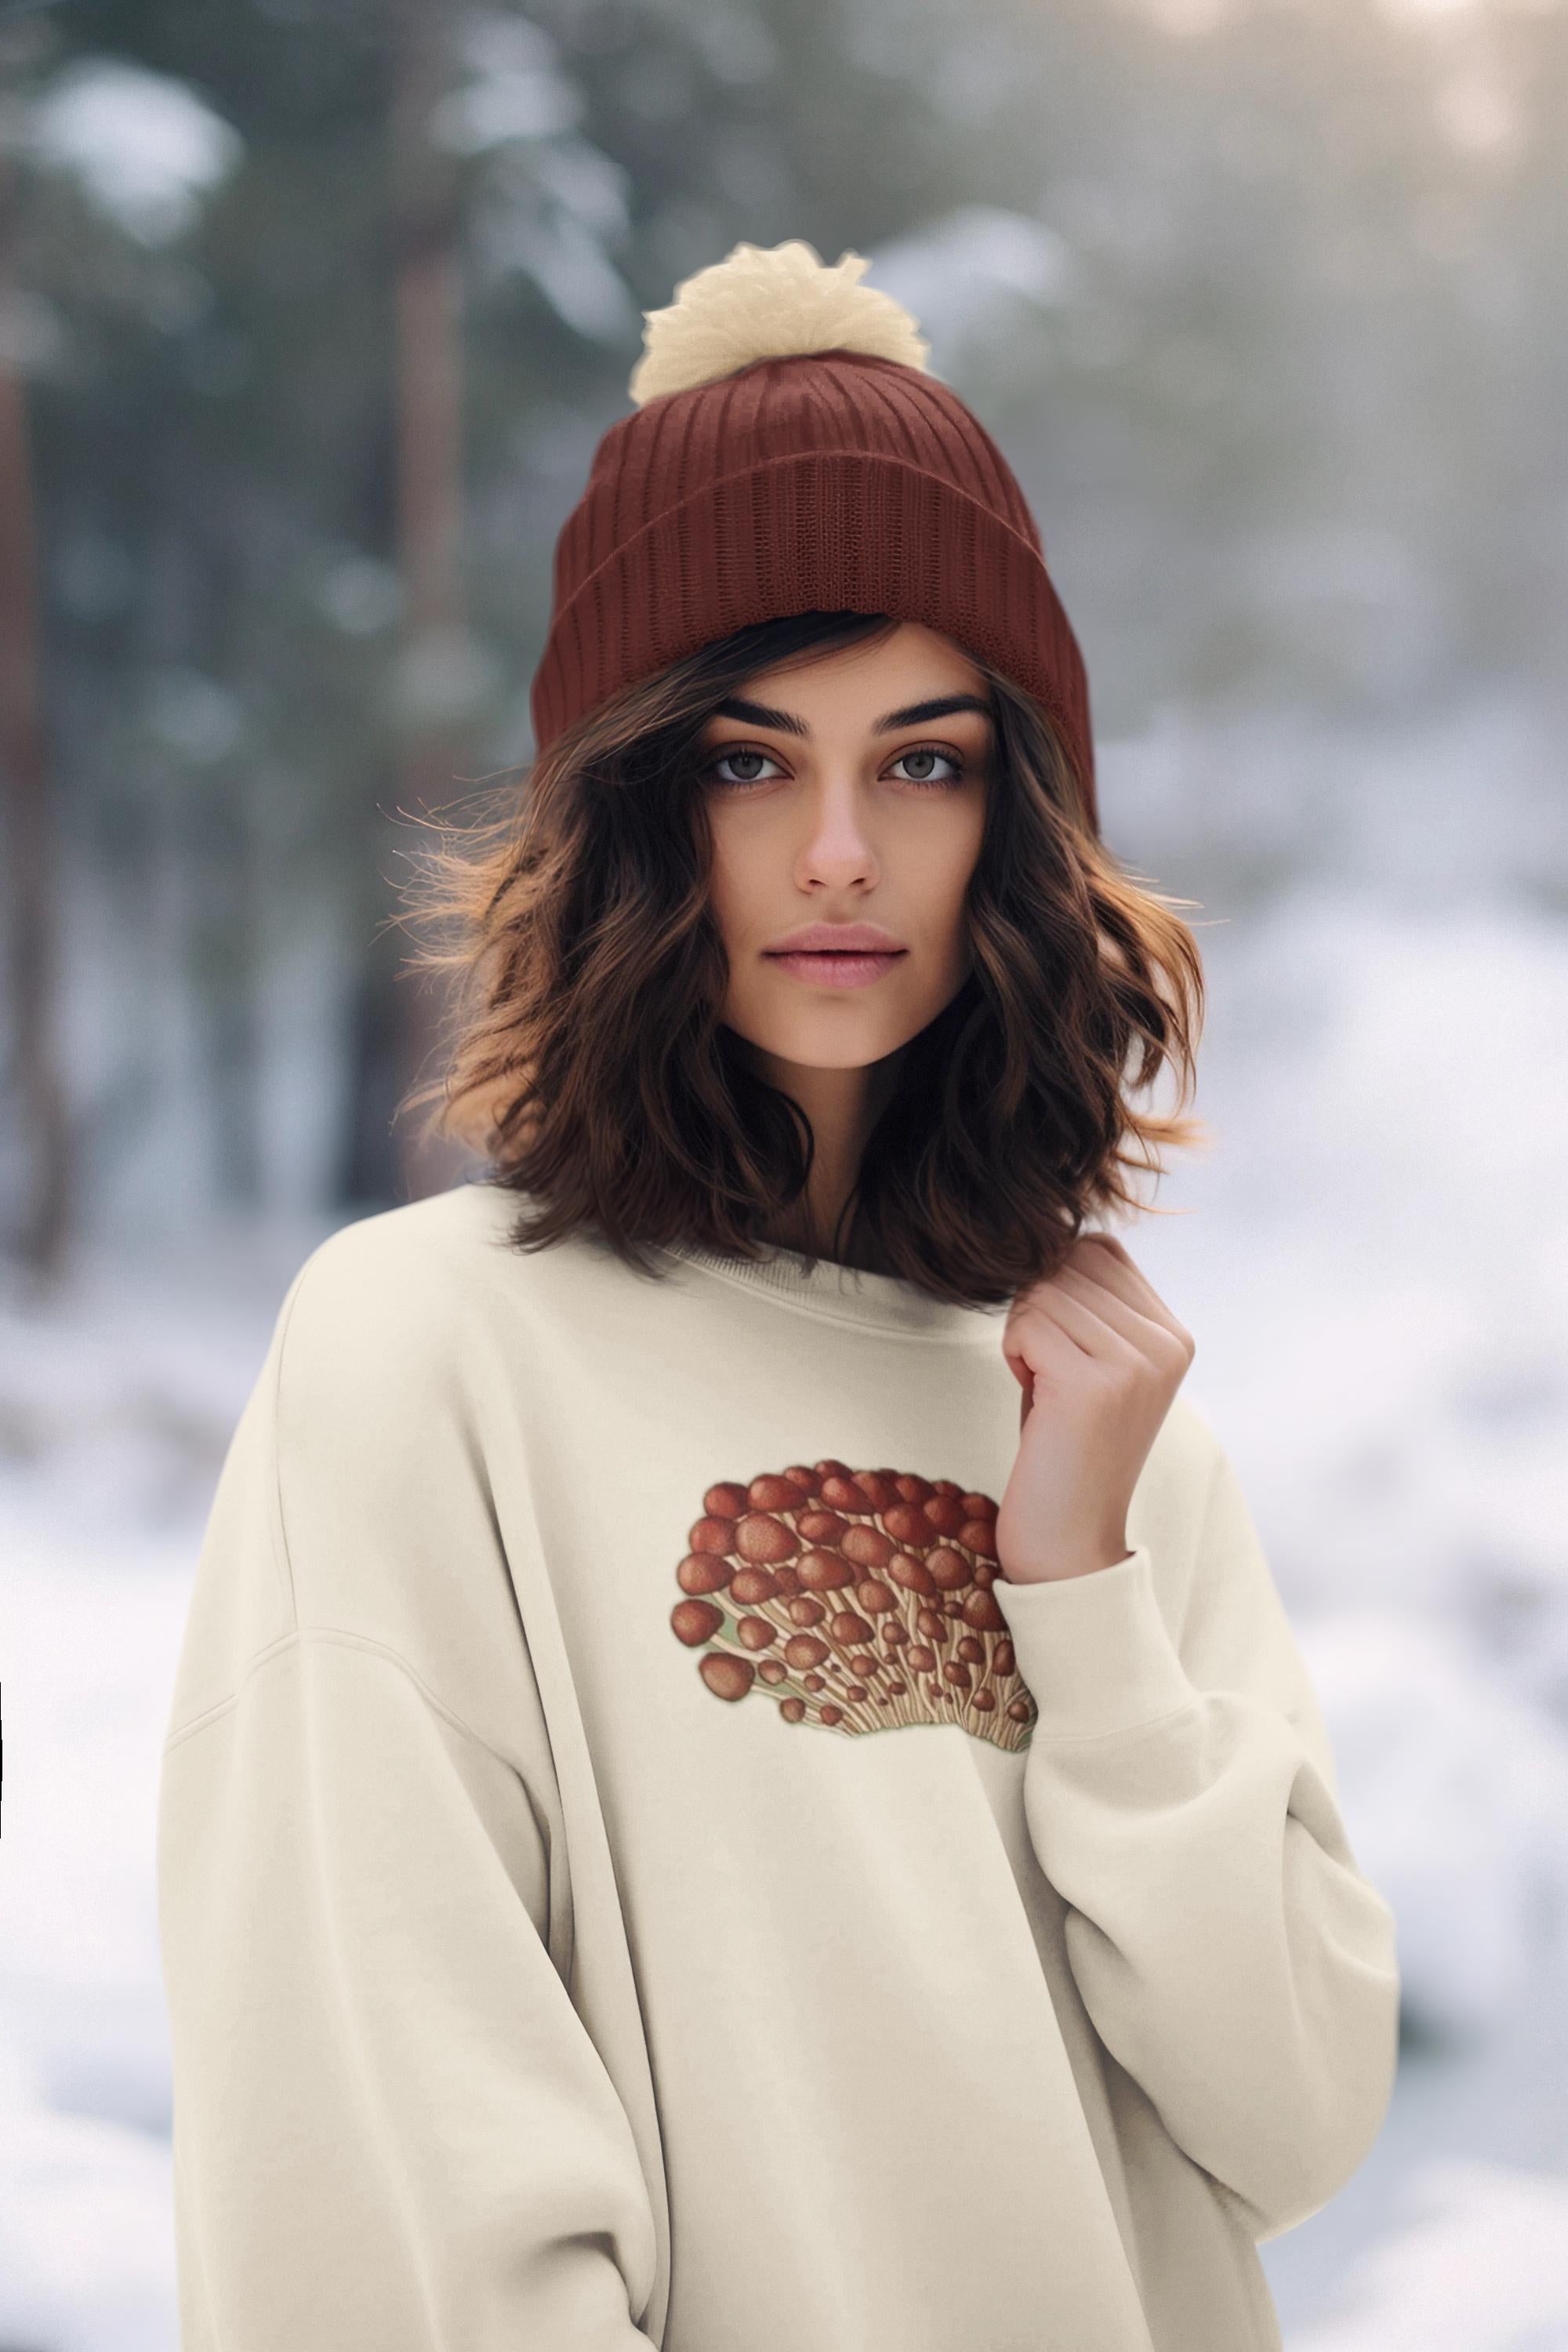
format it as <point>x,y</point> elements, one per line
<point>1152,1336</point>
<point>1107,1264</point>
<point>1092,1254</point>
<point>1088,1331</point>
<point>1050,1349</point>
<point>1106,1275</point>
<point>1109,1275</point>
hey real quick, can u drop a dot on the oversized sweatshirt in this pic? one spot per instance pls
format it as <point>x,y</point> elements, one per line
<point>634,1871</point>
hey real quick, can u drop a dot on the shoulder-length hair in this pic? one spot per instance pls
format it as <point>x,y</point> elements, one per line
<point>587,1061</point>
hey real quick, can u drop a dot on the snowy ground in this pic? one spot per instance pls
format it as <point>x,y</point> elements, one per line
<point>1374,1261</point>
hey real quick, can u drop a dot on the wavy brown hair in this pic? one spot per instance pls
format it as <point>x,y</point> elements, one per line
<point>588,1062</point>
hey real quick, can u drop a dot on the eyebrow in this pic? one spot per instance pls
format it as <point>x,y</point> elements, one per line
<point>785,722</point>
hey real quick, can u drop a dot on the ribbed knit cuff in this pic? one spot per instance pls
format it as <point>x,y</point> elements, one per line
<point>1093,1650</point>
<point>813,529</point>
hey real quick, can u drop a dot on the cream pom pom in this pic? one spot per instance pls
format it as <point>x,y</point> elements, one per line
<point>769,303</point>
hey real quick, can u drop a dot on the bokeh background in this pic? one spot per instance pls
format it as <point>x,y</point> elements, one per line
<point>311,314</point>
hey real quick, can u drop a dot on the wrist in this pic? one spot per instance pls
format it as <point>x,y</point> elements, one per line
<point>1064,1566</point>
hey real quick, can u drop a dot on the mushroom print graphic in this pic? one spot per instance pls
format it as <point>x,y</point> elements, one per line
<point>859,1600</point>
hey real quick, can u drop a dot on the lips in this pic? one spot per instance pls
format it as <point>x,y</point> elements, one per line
<point>824,967</point>
<point>838,938</point>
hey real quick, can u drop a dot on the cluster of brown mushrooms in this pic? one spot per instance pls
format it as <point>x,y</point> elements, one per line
<point>859,1599</point>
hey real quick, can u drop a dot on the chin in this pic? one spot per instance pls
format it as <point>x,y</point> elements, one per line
<point>832,1054</point>
<point>831,1045</point>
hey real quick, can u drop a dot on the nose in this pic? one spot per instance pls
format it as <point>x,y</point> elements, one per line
<point>836,853</point>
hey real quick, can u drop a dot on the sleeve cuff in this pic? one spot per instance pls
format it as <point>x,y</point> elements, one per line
<point>1093,1650</point>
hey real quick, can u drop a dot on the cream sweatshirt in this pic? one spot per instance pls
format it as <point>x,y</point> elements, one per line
<point>633,1872</point>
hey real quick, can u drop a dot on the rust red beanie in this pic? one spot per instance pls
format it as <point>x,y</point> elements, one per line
<point>802,460</point>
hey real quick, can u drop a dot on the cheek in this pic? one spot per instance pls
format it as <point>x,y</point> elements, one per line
<point>946,895</point>
<point>951,954</point>
<point>742,907</point>
<point>732,882</point>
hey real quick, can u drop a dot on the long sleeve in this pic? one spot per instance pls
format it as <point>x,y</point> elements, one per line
<point>1180,1795</point>
<point>391,2126</point>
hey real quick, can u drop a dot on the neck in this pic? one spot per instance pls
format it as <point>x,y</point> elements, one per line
<point>842,1106</point>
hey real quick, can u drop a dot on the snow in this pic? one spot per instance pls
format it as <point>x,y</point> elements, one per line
<point>552,204</point>
<point>964,276</point>
<point>1375,1259</point>
<point>514,88</point>
<point>145,148</point>
<point>1389,1091</point>
<point>1458,1788</point>
<point>103,2288</point>
<point>1481,2263</point>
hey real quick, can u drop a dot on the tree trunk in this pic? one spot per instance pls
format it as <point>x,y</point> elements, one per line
<point>44,1222</point>
<point>428,369</point>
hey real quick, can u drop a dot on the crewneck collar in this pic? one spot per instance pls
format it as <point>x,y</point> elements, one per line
<point>843,1293</point>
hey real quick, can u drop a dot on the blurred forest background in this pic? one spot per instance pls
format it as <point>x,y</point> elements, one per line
<point>311,312</point>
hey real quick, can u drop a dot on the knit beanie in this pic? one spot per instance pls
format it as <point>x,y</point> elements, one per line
<point>789,452</point>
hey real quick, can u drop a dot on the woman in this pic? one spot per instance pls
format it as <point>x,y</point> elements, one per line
<point>739,1777</point>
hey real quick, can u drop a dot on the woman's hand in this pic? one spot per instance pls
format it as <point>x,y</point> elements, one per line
<point>1098,1356</point>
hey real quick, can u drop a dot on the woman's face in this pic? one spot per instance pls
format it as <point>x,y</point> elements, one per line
<point>846,797</point>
